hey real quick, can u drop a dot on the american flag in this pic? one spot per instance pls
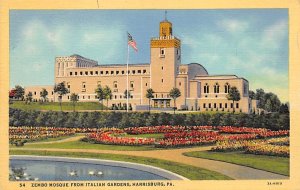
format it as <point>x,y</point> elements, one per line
<point>132,42</point>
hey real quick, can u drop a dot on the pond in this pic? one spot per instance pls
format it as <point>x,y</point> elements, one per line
<point>39,168</point>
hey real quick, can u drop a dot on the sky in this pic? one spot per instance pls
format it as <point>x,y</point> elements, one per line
<point>250,43</point>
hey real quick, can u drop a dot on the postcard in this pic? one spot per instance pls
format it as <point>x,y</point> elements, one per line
<point>149,95</point>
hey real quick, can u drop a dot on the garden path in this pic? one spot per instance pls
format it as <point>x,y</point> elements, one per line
<point>176,155</point>
<point>59,141</point>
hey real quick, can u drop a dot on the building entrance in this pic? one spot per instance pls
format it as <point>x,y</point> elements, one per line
<point>161,103</point>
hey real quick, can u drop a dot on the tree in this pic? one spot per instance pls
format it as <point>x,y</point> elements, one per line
<point>284,108</point>
<point>100,94</point>
<point>61,89</point>
<point>74,99</point>
<point>272,102</point>
<point>260,93</point>
<point>251,94</point>
<point>233,95</point>
<point>174,94</point>
<point>107,95</point>
<point>149,95</point>
<point>44,94</point>
<point>29,97</point>
<point>19,92</point>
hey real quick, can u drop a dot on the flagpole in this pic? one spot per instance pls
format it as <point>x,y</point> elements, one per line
<point>127,78</point>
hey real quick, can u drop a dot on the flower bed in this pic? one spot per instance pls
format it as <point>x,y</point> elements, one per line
<point>108,138</point>
<point>279,133</point>
<point>282,141</point>
<point>190,134</point>
<point>237,137</point>
<point>35,133</point>
<point>164,129</point>
<point>268,149</point>
<point>230,129</point>
<point>179,142</point>
<point>264,147</point>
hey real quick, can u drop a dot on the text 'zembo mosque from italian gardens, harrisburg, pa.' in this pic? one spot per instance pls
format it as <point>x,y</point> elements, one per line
<point>199,90</point>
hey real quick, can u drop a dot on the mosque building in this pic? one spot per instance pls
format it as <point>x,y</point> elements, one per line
<point>199,90</point>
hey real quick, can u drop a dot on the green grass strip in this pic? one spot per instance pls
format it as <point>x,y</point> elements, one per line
<point>86,145</point>
<point>54,106</point>
<point>278,165</point>
<point>190,172</point>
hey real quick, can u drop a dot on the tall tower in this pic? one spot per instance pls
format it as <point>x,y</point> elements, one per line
<point>165,58</point>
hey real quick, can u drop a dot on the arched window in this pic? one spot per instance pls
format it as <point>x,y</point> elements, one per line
<point>227,87</point>
<point>216,88</point>
<point>206,88</point>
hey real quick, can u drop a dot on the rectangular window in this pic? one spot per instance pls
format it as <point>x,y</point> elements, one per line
<point>220,105</point>
<point>86,73</point>
<point>91,72</point>
<point>231,105</point>
<point>225,105</point>
<point>115,84</point>
<point>204,105</point>
<point>76,73</point>
<point>83,84</point>
<point>144,71</point>
<point>131,84</point>
<point>215,105</point>
<point>89,97</point>
<point>133,71</point>
<point>123,72</point>
<point>80,72</point>
<point>237,105</point>
<point>71,73</point>
<point>106,72</point>
<point>68,97</point>
<point>111,72</point>
<point>82,97</point>
<point>139,71</point>
<point>96,72</point>
<point>101,72</point>
<point>117,72</point>
<point>162,52</point>
<point>209,105</point>
<point>34,93</point>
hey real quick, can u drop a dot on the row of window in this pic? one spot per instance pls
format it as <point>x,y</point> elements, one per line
<point>95,97</point>
<point>216,88</point>
<point>92,73</point>
<point>214,105</point>
<point>115,84</point>
<point>41,93</point>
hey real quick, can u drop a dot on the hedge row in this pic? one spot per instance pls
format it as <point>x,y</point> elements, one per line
<point>274,121</point>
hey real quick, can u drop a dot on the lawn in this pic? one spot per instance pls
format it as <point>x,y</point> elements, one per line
<point>190,172</point>
<point>54,106</point>
<point>87,145</point>
<point>279,165</point>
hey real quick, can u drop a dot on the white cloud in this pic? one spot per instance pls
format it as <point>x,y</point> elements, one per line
<point>233,25</point>
<point>274,34</point>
